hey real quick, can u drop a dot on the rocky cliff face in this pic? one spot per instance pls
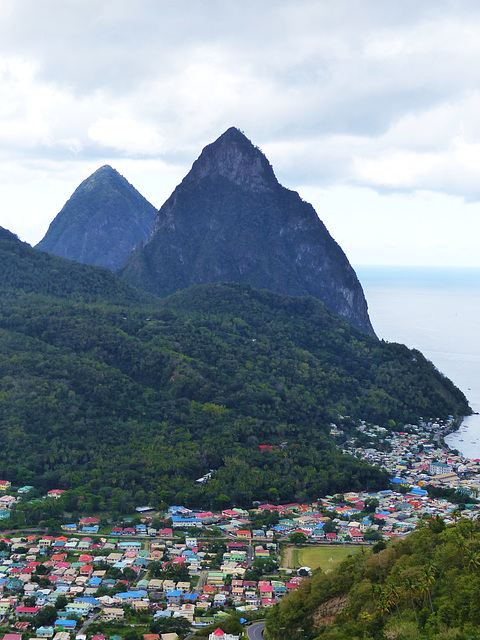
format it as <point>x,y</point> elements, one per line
<point>101,223</point>
<point>231,220</point>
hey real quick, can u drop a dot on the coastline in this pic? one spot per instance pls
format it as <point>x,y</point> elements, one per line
<point>434,310</point>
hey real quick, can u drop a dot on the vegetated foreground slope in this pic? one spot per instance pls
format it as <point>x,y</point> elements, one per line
<point>135,402</point>
<point>423,586</point>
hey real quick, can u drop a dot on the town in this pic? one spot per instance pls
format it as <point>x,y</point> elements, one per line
<point>166,575</point>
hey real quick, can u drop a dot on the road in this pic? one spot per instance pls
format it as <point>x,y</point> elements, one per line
<point>255,631</point>
<point>201,581</point>
<point>88,622</point>
<point>249,556</point>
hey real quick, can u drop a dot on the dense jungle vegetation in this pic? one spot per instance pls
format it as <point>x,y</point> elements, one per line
<point>127,400</point>
<point>423,586</point>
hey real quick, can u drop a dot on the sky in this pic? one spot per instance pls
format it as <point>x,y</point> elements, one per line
<point>369,109</point>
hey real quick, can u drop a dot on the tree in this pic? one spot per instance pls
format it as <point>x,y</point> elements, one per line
<point>53,526</point>
<point>180,626</point>
<point>297,538</point>
<point>371,504</point>
<point>330,527</point>
<point>373,535</point>
<point>61,602</point>
<point>46,616</point>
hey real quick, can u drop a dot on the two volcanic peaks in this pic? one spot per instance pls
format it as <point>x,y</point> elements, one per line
<point>228,220</point>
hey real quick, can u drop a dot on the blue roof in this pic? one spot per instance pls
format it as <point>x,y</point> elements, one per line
<point>94,601</point>
<point>174,593</point>
<point>141,593</point>
<point>65,623</point>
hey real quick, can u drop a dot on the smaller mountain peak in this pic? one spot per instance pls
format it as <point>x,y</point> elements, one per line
<point>106,168</point>
<point>234,157</point>
<point>105,172</point>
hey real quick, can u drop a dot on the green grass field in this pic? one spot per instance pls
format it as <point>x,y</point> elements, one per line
<point>325,557</point>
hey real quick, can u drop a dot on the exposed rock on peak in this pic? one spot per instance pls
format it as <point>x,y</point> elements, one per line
<point>231,220</point>
<point>235,158</point>
<point>102,222</point>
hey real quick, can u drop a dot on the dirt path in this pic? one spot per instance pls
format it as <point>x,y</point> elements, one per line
<point>287,557</point>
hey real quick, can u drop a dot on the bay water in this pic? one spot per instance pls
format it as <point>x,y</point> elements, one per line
<point>437,311</point>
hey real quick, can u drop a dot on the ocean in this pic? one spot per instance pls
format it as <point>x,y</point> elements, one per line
<point>437,311</point>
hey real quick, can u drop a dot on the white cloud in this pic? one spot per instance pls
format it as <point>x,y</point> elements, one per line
<point>340,95</point>
<point>126,135</point>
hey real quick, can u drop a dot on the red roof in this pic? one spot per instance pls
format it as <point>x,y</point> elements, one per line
<point>218,632</point>
<point>90,521</point>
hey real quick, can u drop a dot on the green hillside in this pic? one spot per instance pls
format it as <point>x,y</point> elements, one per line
<point>25,270</point>
<point>128,403</point>
<point>424,586</point>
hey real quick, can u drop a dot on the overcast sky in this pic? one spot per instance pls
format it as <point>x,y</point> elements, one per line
<point>369,109</point>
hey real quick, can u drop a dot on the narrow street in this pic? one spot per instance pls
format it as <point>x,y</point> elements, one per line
<point>255,632</point>
<point>88,622</point>
<point>201,581</point>
<point>249,556</point>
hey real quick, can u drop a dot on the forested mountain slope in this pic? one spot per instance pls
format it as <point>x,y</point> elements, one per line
<point>102,222</point>
<point>135,401</point>
<point>25,270</point>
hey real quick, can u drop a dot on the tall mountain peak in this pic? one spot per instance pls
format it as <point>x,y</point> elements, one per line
<point>234,157</point>
<point>102,222</point>
<point>230,220</point>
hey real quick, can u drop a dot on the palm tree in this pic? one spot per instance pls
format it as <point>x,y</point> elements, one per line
<point>429,574</point>
<point>393,594</point>
<point>456,514</point>
<point>365,617</point>
<point>383,604</point>
<point>411,586</point>
<point>376,590</point>
<point>472,559</point>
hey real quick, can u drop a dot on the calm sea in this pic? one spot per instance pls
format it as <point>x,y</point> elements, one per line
<point>435,310</point>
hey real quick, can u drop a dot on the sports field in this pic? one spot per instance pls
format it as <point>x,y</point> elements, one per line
<point>325,557</point>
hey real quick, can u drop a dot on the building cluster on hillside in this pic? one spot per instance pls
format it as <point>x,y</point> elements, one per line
<point>210,557</point>
<point>101,575</point>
